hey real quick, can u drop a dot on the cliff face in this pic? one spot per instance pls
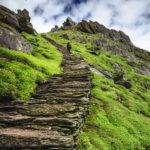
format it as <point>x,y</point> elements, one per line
<point>57,91</point>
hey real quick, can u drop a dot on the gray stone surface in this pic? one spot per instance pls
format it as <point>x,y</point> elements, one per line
<point>14,41</point>
<point>66,36</point>
<point>19,21</point>
<point>69,22</point>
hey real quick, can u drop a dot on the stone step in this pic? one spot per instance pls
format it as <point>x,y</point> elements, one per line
<point>57,110</point>
<point>53,100</point>
<point>57,91</point>
<point>34,139</point>
<point>66,94</point>
<point>9,120</point>
<point>64,125</point>
<point>7,108</point>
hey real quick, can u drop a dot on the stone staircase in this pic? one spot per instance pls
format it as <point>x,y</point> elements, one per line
<point>54,116</point>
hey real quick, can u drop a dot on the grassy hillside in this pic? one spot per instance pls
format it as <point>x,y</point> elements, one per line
<point>20,73</point>
<point>118,116</point>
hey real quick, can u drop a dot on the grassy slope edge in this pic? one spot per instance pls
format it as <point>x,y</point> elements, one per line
<point>20,72</point>
<point>118,117</point>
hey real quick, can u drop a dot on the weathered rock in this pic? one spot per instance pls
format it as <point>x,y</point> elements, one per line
<point>14,41</point>
<point>14,138</point>
<point>124,83</point>
<point>91,27</point>
<point>19,21</point>
<point>115,65</point>
<point>69,22</point>
<point>9,17</point>
<point>66,36</point>
<point>118,36</point>
<point>56,28</point>
<point>119,79</point>
<point>24,21</point>
<point>113,48</point>
<point>79,39</point>
<point>100,42</point>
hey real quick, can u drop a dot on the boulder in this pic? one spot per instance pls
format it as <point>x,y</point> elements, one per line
<point>115,65</point>
<point>119,79</point>
<point>14,41</point>
<point>124,83</point>
<point>9,17</point>
<point>19,21</point>
<point>66,36</point>
<point>69,22</point>
<point>91,27</point>
<point>24,21</point>
<point>100,42</point>
<point>79,39</point>
<point>56,28</point>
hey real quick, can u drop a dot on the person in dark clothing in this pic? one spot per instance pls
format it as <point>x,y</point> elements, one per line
<point>69,46</point>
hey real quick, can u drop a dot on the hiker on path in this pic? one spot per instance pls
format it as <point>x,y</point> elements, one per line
<point>69,46</point>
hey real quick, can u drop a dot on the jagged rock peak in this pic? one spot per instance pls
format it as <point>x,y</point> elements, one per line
<point>69,22</point>
<point>91,27</point>
<point>19,21</point>
<point>95,27</point>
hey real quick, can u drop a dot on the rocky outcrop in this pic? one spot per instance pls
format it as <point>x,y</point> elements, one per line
<point>66,36</point>
<point>54,116</point>
<point>10,26</point>
<point>19,21</point>
<point>56,28</point>
<point>78,39</point>
<point>69,22</point>
<point>91,27</point>
<point>118,36</point>
<point>118,78</point>
<point>24,22</point>
<point>95,27</point>
<point>14,41</point>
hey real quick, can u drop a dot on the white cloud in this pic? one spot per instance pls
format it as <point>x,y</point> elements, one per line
<point>118,14</point>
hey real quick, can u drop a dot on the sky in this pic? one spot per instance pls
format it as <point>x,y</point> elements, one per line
<point>129,16</point>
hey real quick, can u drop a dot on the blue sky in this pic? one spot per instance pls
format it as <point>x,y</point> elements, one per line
<point>130,16</point>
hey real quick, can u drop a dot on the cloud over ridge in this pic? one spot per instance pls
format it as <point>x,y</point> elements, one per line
<point>130,16</point>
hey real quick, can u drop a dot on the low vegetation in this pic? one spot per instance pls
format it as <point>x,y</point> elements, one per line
<point>118,116</point>
<point>20,73</point>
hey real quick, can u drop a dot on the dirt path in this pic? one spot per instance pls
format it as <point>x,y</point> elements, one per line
<point>54,116</point>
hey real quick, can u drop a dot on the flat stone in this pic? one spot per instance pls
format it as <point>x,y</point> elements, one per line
<point>23,138</point>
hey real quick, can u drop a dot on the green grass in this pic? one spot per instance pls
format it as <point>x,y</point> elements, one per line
<point>21,72</point>
<point>118,117</point>
<point>110,123</point>
<point>7,27</point>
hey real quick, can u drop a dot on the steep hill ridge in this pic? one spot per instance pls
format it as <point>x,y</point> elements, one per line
<point>54,116</point>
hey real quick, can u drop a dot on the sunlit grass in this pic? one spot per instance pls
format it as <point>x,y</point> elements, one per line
<point>25,71</point>
<point>118,117</point>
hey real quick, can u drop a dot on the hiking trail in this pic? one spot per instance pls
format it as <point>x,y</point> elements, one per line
<point>54,116</point>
